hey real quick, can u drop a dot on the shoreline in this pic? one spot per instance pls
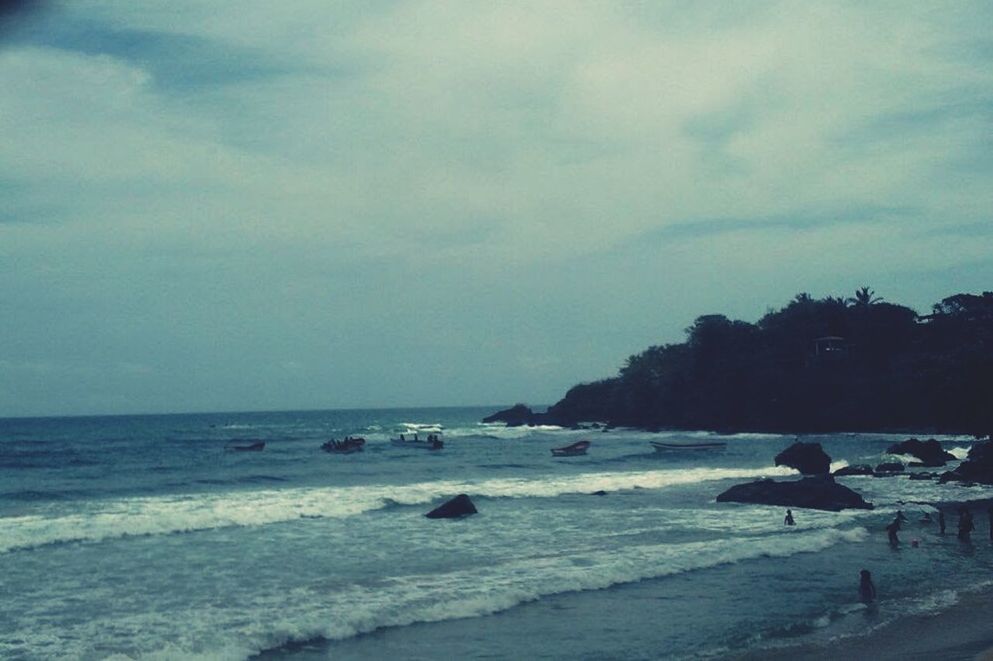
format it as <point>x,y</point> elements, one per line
<point>961,632</point>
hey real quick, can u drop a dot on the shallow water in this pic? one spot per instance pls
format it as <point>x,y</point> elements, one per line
<point>143,537</point>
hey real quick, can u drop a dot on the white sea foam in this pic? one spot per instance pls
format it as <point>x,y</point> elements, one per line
<point>249,623</point>
<point>837,465</point>
<point>155,515</point>
<point>959,452</point>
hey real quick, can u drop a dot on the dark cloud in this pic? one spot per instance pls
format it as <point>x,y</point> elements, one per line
<point>15,13</point>
<point>179,62</point>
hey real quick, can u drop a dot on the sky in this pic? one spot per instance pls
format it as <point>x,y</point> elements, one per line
<point>223,206</point>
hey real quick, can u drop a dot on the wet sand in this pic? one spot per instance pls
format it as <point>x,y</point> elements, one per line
<point>964,631</point>
<point>961,632</point>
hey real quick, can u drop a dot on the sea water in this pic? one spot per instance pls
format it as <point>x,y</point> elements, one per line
<point>148,537</point>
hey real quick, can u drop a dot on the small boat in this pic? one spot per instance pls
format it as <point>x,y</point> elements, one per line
<point>433,441</point>
<point>675,447</point>
<point>257,446</point>
<point>349,445</point>
<point>574,450</point>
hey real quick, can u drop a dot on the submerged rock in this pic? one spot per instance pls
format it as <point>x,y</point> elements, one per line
<point>819,493</point>
<point>808,458</point>
<point>889,468</point>
<point>929,452</point>
<point>461,505</point>
<point>977,467</point>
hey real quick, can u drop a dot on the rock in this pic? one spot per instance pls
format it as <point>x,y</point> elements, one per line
<point>601,492</point>
<point>860,469</point>
<point>516,416</point>
<point>808,458</point>
<point>977,467</point>
<point>890,467</point>
<point>456,507</point>
<point>819,493</point>
<point>923,475</point>
<point>929,452</point>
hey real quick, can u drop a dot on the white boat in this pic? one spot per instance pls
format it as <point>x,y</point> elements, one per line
<point>676,447</point>
<point>406,440</point>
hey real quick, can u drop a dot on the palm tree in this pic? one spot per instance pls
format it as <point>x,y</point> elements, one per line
<point>864,297</point>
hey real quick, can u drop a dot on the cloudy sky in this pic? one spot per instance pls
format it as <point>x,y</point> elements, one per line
<point>312,204</point>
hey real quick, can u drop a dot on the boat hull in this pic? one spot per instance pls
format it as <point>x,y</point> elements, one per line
<point>688,447</point>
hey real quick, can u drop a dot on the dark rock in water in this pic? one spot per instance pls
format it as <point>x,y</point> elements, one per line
<point>456,507</point>
<point>860,469</point>
<point>819,493</point>
<point>977,467</point>
<point>516,416</point>
<point>808,458</point>
<point>929,452</point>
<point>923,476</point>
<point>601,492</point>
<point>891,467</point>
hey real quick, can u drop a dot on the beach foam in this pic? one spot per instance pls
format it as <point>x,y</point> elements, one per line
<point>156,515</point>
<point>250,623</point>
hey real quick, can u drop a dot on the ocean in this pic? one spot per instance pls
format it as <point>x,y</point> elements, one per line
<point>147,537</point>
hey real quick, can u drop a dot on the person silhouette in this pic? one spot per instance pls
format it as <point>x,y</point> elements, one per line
<point>941,522</point>
<point>788,521</point>
<point>867,591</point>
<point>892,530</point>
<point>966,525</point>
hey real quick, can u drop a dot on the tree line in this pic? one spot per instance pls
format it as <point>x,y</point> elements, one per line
<point>814,365</point>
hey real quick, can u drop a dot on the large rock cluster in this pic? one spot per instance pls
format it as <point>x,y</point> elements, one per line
<point>808,458</point>
<point>978,466</point>
<point>819,493</point>
<point>929,453</point>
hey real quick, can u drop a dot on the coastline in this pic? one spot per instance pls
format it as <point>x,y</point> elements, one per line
<point>962,631</point>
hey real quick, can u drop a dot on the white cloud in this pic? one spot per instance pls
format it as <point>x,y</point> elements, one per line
<point>429,154</point>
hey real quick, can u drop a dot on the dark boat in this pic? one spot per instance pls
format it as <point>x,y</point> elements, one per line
<point>574,450</point>
<point>257,446</point>
<point>349,445</point>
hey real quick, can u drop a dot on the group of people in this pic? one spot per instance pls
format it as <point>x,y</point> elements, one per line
<point>965,526</point>
<point>867,590</point>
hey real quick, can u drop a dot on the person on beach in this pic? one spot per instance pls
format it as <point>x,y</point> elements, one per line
<point>788,521</point>
<point>966,525</point>
<point>941,522</point>
<point>867,591</point>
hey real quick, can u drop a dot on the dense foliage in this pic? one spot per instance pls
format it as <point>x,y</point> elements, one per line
<point>815,365</point>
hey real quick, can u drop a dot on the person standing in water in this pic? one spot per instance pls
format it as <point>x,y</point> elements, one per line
<point>788,521</point>
<point>891,531</point>
<point>867,591</point>
<point>941,522</point>
<point>990,512</point>
<point>965,524</point>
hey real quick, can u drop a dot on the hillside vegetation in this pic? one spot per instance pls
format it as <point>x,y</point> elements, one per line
<point>814,365</point>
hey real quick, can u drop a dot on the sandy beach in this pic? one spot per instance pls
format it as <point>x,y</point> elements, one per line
<point>962,631</point>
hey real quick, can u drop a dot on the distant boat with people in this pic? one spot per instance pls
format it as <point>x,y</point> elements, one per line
<point>407,440</point>
<point>348,445</point>
<point>576,449</point>
<point>678,447</point>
